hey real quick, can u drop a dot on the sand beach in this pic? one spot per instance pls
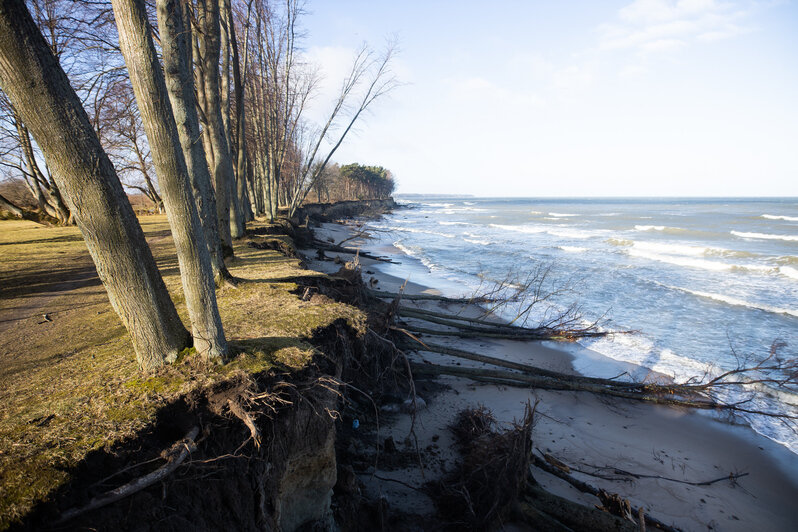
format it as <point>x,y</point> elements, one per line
<point>655,456</point>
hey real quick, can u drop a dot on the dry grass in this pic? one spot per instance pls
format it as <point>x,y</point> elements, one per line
<point>71,385</point>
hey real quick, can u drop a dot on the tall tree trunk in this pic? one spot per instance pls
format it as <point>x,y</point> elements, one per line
<point>237,218</point>
<point>238,84</point>
<point>146,77</point>
<point>40,91</point>
<point>222,167</point>
<point>175,31</point>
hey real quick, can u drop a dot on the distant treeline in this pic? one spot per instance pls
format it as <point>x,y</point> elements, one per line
<point>353,182</point>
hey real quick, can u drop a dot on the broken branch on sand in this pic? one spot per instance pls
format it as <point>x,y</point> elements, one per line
<point>603,496</point>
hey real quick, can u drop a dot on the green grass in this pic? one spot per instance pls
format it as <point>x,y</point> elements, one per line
<point>71,385</point>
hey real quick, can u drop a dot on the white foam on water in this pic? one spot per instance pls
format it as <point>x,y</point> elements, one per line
<point>765,236</point>
<point>729,300</point>
<point>453,223</point>
<point>418,231</point>
<point>476,241</point>
<point>703,264</point>
<point>574,233</point>
<point>469,203</point>
<point>688,256</point>
<point>562,215</point>
<point>780,217</point>
<point>649,227</point>
<point>640,350</point>
<point>670,249</point>
<point>519,228</point>
<point>416,254</point>
<point>788,271</point>
<point>621,242</point>
<point>438,204</point>
<point>572,249</point>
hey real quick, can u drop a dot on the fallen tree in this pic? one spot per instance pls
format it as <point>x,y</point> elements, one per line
<point>323,246</point>
<point>732,390</point>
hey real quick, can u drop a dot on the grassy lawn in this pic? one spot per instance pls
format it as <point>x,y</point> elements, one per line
<point>69,382</point>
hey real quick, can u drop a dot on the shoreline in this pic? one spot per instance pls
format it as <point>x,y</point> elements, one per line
<point>584,430</point>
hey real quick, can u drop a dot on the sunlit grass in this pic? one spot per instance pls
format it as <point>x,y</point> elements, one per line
<point>71,385</point>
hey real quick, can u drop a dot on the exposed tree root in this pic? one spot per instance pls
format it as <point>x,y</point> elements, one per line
<point>491,475</point>
<point>174,457</point>
<point>238,411</point>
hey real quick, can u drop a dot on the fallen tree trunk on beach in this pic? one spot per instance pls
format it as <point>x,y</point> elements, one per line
<point>427,297</point>
<point>524,334</point>
<point>340,249</point>
<point>705,392</point>
<point>526,368</point>
<point>690,396</point>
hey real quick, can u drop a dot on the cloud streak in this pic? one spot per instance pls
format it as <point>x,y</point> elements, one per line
<point>655,26</point>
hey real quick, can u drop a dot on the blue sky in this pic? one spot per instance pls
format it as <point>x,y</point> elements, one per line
<point>575,98</point>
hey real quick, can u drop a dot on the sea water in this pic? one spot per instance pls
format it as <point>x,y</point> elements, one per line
<point>706,284</point>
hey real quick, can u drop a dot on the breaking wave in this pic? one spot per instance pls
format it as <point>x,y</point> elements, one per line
<point>780,217</point>
<point>765,236</point>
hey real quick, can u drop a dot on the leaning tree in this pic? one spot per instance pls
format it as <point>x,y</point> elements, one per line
<point>149,85</point>
<point>37,86</point>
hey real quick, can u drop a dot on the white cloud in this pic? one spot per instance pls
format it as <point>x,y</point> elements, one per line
<point>474,90</point>
<point>650,26</point>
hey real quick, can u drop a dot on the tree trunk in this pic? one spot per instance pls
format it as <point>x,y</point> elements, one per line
<point>222,167</point>
<point>6,205</point>
<point>176,45</point>
<point>40,91</point>
<point>238,85</point>
<point>146,77</point>
<point>237,218</point>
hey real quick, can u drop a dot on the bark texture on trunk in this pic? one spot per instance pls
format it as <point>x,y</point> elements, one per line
<point>40,91</point>
<point>175,34</point>
<point>221,165</point>
<point>146,77</point>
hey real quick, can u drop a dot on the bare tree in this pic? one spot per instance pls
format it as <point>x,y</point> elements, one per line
<point>20,157</point>
<point>240,151</point>
<point>147,79</point>
<point>125,142</point>
<point>175,33</point>
<point>39,90</point>
<point>369,69</point>
<point>208,49</point>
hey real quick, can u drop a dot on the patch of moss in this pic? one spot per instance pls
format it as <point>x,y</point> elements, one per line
<point>160,385</point>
